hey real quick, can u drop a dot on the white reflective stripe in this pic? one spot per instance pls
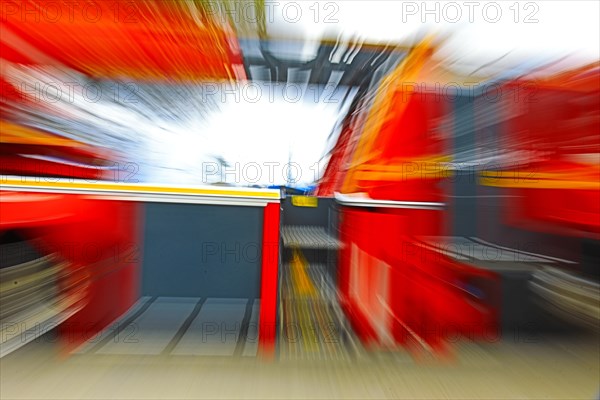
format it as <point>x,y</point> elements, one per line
<point>225,201</point>
<point>368,202</point>
<point>143,192</point>
<point>68,162</point>
<point>416,336</point>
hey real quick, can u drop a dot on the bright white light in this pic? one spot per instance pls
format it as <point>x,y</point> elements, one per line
<point>259,138</point>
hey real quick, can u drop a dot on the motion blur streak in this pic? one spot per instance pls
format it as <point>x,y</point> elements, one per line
<point>279,199</point>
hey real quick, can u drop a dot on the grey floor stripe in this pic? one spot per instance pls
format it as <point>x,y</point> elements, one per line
<point>477,250</point>
<point>215,330</point>
<point>535,257</point>
<point>251,342</point>
<point>239,347</point>
<point>503,254</point>
<point>183,329</point>
<point>91,342</point>
<point>308,237</point>
<point>120,326</point>
<point>443,248</point>
<point>150,333</point>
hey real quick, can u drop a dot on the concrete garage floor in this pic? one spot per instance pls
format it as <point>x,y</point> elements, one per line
<point>554,368</point>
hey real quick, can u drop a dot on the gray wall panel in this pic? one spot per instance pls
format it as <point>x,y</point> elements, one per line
<point>193,250</point>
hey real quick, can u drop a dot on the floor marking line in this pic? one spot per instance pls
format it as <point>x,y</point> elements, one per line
<point>241,342</point>
<point>184,327</point>
<point>123,325</point>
